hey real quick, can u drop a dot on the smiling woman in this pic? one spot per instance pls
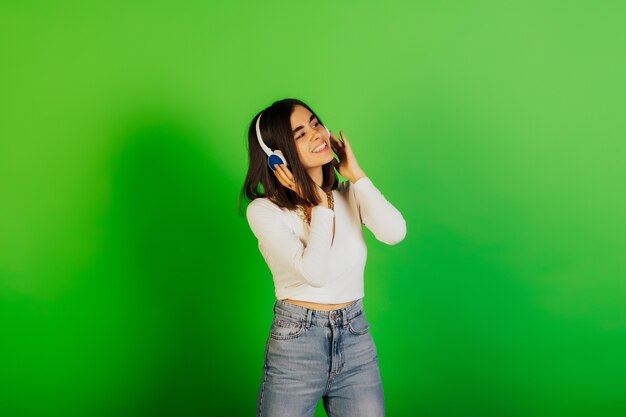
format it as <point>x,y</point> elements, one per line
<point>309,231</point>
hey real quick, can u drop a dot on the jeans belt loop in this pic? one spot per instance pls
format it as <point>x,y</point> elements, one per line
<point>309,313</point>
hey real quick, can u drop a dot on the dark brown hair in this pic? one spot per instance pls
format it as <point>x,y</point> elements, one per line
<point>276,132</point>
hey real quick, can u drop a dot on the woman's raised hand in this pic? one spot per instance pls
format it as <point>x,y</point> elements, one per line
<point>285,177</point>
<point>348,165</point>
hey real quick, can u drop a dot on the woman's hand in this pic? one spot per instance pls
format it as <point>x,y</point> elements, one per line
<point>285,177</point>
<point>348,165</point>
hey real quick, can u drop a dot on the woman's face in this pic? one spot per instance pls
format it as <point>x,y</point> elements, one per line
<point>312,141</point>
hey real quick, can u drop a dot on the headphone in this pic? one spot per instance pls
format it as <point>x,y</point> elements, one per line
<point>273,157</point>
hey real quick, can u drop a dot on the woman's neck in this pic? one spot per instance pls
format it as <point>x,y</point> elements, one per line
<point>317,175</point>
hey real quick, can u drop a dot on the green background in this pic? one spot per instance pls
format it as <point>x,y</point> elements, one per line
<point>130,285</point>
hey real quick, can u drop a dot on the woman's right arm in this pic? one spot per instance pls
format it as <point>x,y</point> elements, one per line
<point>285,249</point>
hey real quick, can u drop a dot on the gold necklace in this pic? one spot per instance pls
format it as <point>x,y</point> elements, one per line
<point>306,216</point>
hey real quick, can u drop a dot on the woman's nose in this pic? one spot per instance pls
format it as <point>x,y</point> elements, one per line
<point>315,135</point>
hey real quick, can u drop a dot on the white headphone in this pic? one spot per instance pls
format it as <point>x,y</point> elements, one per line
<point>273,157</point>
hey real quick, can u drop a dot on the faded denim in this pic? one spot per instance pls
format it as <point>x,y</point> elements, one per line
<point>313,354</point>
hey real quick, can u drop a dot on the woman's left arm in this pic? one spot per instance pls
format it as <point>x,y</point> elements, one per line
<point>378,214</point>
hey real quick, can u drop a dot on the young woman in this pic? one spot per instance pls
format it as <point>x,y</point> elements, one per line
<point>309,229</point>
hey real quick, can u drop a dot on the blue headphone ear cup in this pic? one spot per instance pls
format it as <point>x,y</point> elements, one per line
<point>282,157</point>
<point>276,157</point>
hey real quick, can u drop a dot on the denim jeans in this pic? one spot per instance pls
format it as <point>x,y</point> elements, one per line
<point>312,354</point>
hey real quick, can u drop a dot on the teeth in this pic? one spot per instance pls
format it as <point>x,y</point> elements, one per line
<point>319,148</point>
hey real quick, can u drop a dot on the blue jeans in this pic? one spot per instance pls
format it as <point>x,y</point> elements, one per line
<point>313,354</point>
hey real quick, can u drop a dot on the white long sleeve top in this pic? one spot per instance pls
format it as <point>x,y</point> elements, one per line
<point>307,264</point>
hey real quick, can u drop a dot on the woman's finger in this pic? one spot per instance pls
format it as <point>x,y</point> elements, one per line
<point>286,171</point>
<point>281,181</point>
<point>345,140</point>
<point>282,178</point>
<point>343,136</point>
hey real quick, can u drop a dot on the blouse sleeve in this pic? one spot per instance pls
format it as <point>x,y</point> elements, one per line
<point>378,214</point>
<point>282,248</point>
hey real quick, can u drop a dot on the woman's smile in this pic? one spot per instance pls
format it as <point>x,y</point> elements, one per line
<point>321,148</point>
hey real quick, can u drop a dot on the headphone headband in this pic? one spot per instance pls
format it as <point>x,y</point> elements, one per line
<point>267,150</point>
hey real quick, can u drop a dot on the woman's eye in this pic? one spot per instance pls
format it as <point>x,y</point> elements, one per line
<point>302,135</point>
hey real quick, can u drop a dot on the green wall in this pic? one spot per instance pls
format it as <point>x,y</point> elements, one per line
<point>130,286</point>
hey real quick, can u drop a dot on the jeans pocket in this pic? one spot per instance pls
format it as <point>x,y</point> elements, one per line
<point>359,325</point>
<point>284,328</point>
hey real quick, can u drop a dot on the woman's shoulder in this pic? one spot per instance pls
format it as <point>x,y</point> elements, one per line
<point>266,216</point>
<point>264,207</point>
<point>262,204</point>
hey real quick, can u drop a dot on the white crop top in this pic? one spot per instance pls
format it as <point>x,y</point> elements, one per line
<point>306,263</point>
